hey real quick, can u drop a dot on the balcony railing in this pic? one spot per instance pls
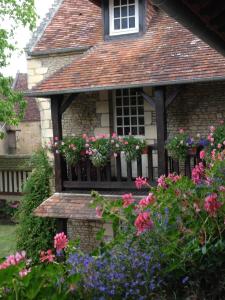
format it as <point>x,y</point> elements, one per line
<point>118,174</point>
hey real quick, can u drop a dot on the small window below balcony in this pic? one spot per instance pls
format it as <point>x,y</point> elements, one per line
<point>123,17</point>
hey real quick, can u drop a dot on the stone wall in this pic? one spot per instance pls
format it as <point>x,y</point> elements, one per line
<point>39,69</point>
<point>197,107</point>
<point>86,230</point>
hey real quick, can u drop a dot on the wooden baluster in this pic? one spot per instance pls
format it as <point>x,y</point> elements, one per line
<point>129,171</point>
<point>98,174</point>
<point>188,166</point>
<point>150,163</point>
<point>176,166</point>
<point>108,171</point>
<point>78,172</point>
<point>118,168</point>
<point>88,166</point>
<point>139,166</point>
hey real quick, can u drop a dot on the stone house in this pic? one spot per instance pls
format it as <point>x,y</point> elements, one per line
<point>18,145</point>
<point>118,65</point>
<point>26,137</point>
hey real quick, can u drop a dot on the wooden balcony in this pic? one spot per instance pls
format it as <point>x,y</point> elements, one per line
<point>116,175</point>
<point>119,174</point>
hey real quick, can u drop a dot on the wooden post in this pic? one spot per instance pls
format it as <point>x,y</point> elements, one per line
<point>161,125</point>
<point>57,133</point>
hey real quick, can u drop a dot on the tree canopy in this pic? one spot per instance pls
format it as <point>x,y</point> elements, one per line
<point>13,13</point>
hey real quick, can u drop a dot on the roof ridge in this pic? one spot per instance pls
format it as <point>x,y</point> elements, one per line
<point>37,34</point>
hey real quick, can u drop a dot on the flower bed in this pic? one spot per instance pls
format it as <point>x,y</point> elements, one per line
<point>168,245</point>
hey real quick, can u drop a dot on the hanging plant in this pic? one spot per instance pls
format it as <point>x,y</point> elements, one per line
<point>133,147</point>
<point>99,150</point>
<point>72,148</point>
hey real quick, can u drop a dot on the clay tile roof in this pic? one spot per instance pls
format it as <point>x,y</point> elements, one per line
<point>75,23</point>
<point>62,205</point>
<point>167,53</point>
<point>32,112</point>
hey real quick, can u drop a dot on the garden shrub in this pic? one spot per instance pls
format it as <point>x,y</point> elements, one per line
<point>35,233</point>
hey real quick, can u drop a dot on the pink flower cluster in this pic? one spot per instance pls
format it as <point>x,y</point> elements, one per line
<point>99,212</point>
<point>13,260</point>
<point>140,182</point>
<point>47,256</point>
<point>150,199</point>
<point>162,182</point>
<point>198,173</point>
<point>174,177</point>
<point>24,272</point>
<point>60,241</point>
<point>143,222</point>
<point>127,200</point>
<point>212,204</point>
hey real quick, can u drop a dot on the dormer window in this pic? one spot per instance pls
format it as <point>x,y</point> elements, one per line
<point>123,17</point>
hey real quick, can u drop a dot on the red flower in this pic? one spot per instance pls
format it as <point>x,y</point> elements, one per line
<point>60,241</point>
<point>211,204</point>
<point>143,222</point>
<point>147,200</point>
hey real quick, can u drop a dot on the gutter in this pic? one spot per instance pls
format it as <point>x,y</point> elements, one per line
<point>77,50</point>
<point>49,94</point>
<point>180,12</point>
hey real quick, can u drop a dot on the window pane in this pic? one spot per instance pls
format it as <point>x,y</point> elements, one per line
<point>119,111</point>
<point>117,24</point>
<point>126,121</point>
<point>131,1</point>
<point>124,11</point>
<point>133,121</point>
<point>123,2</point>
<point>116,2</point>
<point>117,12</point>
<point>126,111</point>
<point>126,101</point>
<point>124,23</point>
<point>118,102</point>
<point>134,130</point>
<point>133,110</point>
<point>132,22</point>
<point>141,120</point>
<point>125,92</point>
<point>132,10</point>
<point>133,101</point>
<point>140,110</point>
<point>141,130</point>
<point>120,131</point>
<point>140,101</point>
<point>118,93</point>
<point>126,130</point>
<point>119,121</point>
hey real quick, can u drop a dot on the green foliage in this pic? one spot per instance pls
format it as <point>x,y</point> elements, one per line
<point>178,146</point>
<point>133,147</point>
<point>13,13</point>
<point>100,151</point>
<point>35,233</point>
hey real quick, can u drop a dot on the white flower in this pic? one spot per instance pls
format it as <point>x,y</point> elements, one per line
<point>137,147</point>
<point>117,145</point>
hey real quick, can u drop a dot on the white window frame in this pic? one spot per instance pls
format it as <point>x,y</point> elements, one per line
<point>130,115</point>
<point>113,31</point>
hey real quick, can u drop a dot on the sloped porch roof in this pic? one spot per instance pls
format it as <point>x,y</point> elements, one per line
<point>166,54</point>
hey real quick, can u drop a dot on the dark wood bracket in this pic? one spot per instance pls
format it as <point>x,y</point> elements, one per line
<point>172,95</point>
<point>148,98</point>
<point>67,102</point>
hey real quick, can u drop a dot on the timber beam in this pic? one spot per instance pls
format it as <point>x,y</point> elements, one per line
<point>67,102</point>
